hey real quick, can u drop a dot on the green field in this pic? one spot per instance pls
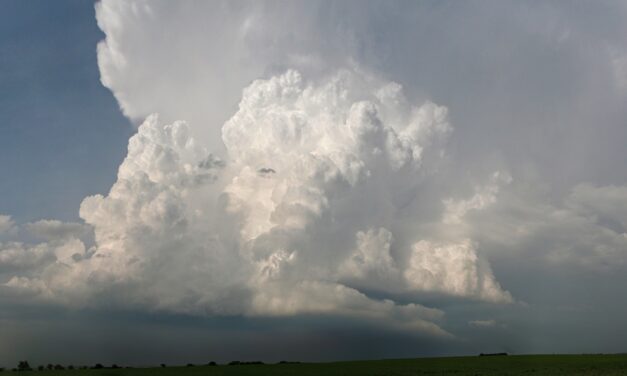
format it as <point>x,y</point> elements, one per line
<point>497,365</point>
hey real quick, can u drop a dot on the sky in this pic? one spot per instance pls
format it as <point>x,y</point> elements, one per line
<point>196,181</point>
<point>62,135</point>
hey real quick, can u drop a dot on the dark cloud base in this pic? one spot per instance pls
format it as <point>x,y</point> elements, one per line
<point>140,339</point>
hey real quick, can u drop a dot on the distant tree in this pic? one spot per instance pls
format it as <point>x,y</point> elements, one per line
<point>59,367</point>
<point>163,365</point>
<point>98,366</point>
<point>252,363</point>
<point>41,368</point>
<point>115,366</point>
<point>212,364</point>
<point>70,367</point>
<point>190,365</point>
<point>23,366</point>
<point>1,369</point>
<point>50,367</point>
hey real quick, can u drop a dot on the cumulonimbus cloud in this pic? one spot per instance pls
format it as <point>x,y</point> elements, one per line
<point>307,204</point>
<point>277,174</point>
<point>306,213</point>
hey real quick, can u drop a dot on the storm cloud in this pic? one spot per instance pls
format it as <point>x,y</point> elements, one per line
<point>440,172</point>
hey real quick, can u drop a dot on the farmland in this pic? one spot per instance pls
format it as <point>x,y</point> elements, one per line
<point>489,365</point>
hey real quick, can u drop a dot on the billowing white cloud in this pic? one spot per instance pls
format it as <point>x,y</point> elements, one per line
<point>483,197</point>
<point>191,60</point>
<point>308,208</point>
<point>52,229</point>
<point>16,256</point>
<point>27,258</point>
<point>371,264</point>
<point>32,270</point>
<point>455,269</point>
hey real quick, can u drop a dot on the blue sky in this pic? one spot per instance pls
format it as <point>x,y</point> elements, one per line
<point>62,135</point>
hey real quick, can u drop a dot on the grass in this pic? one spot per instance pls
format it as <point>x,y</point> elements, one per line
<point>497,365</point>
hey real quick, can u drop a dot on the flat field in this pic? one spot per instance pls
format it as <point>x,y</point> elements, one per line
<point>488,365</point>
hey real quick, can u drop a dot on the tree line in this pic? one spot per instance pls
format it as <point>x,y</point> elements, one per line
<point>23,365</point>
